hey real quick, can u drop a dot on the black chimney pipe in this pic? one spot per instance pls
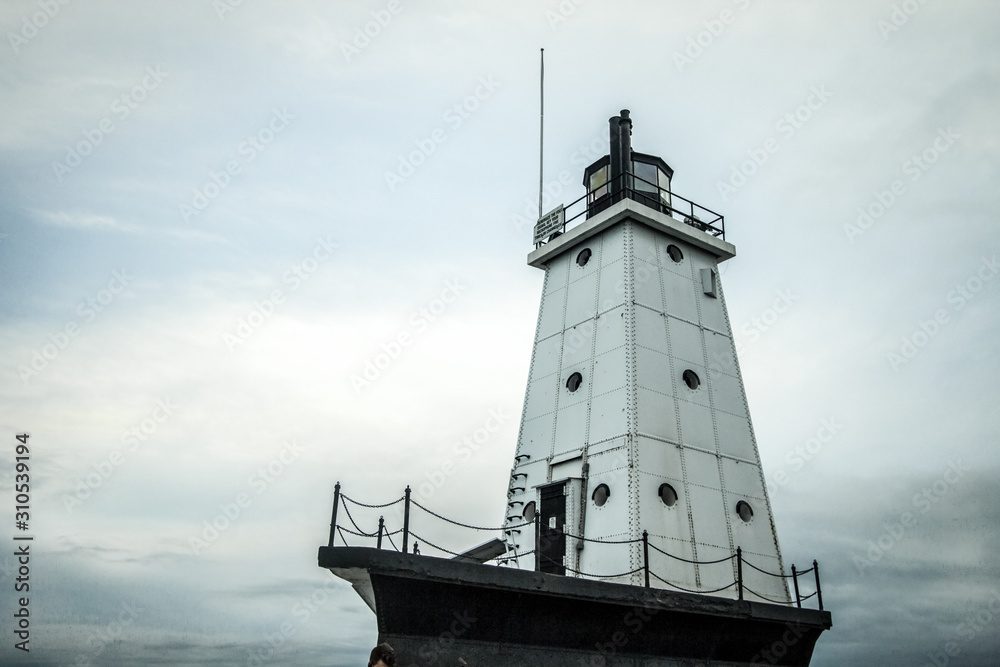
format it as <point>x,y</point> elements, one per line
<point>615,154</point>
<point>620,155</point>
<point>625,124</point>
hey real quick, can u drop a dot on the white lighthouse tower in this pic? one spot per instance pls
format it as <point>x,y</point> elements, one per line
<point>637,526</point>
<point>635,416</point>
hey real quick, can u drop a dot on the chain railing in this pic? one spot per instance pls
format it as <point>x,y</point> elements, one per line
<point>342,500</point>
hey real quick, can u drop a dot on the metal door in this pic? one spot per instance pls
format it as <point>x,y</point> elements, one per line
<point>551,545</point>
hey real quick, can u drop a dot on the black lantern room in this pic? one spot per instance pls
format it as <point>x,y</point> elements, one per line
<point>623,173</point>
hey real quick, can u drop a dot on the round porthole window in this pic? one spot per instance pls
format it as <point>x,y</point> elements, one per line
<point>668,495</point>
<point>675,253</point>
<point>744,510</point>
<point>529,511</point>
<point>691,379</point>
<point>574,381</point>
<point>601,495</point>
<point>583,257</point>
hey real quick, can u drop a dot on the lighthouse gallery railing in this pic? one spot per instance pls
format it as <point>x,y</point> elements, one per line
<point>341,500</point>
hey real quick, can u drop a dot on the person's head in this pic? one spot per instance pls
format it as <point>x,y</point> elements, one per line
<point>382,655</point>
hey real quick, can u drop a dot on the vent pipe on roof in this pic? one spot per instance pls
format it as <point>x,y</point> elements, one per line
<point>625,133</point>
<point>620,152</point>
<point>615,155</point>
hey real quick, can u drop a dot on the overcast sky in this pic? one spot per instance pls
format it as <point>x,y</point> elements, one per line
<point>214,216</point>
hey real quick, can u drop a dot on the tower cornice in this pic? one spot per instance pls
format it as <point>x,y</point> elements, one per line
<point>629,209</point>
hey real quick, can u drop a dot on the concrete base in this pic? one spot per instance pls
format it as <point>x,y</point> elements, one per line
<point>438,612</point>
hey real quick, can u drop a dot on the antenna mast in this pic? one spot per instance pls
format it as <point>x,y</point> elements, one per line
<point>541,132</point>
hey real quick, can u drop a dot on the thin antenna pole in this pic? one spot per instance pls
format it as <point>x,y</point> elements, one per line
<point>541,133</point>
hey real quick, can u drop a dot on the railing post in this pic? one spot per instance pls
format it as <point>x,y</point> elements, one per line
<point>795,581</point>
<point>381,524</point>
<point>739,571</point>
<point>819,592</point>
<point>333,519</point>
<point>645,555</point>
<point>406,521</point>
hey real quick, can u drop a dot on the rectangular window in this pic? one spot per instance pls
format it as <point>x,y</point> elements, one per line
<point>598,184</point>
<point>646,175</point>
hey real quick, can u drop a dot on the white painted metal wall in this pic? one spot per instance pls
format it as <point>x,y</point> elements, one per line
<point>631,321</point>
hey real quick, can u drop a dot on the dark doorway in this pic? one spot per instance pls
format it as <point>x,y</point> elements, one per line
<point>551,547</point>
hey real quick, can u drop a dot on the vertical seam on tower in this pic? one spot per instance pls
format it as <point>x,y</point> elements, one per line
<point>585,445</point>
<point>711,407</point>
<point>753,441</point>
<point>680,433</point>
<point>559,374</point>
<point>593,348</point>
<point>630,397</point>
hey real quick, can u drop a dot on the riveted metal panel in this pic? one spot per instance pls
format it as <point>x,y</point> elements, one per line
<point>678,573</point>
<point>755,536</point>
<point>702,468</point>
<point>699,395</point>
<point>612,244</point>
<point>644,242</point>
<point>742,479</point>
<point>610,331</point>
<point>550,319</point>
<point>556,275</point>
<point>681,268</point>
<point>696,423</point>
<point>659,519</point>
<point>577,343</point>
<point>710,521</point>
<point>593,264</point>
<point>607,416</point>
<point>657,415</point>
<point>605,559</point>
<point>699,259</point>
<point>769,588</point>
<point>546,357</point>
<point>757,541</point>
<point>653,371</point>
<point>713,311</point>
<point>727,395</point>
<point>536,435</point>
<point>685,342</point>
<point>650,330</point>
<point>719,349</point>
<point>581,395</point>
<point>581,300</point>
<point>660,459</point>
<point>734,436</point>
<point>567,469</point>
<point>679,297</point>
<point>646,283</point>
<point>612,286</point>
<point>571,427</point>
<point>607,445</point>
<point>609,371</point>
<point>610,467</point>
<point>541,397</point>
<point>716,575</point>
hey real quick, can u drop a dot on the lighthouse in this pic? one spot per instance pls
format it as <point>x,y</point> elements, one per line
<point>636,526</point>
<point>635,416</point>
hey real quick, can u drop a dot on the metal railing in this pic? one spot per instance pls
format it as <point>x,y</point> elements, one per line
<point>638,189</point>
<point>341,501</point>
